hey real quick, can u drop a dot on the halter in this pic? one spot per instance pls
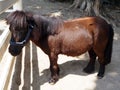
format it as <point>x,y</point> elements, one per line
<point>22,43</point>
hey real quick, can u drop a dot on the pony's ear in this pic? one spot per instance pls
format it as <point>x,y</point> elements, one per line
<point>9,18</point>
<point>30,19</point>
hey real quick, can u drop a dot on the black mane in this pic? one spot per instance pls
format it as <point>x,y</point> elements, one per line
<point>48,25</point>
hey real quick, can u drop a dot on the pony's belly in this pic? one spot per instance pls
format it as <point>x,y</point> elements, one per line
<point>75,42</point>
<point>69,53</point>
<point>75,51</point>
<point>76,46</point>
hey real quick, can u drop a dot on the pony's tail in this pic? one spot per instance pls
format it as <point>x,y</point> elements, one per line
<point>108,50</point>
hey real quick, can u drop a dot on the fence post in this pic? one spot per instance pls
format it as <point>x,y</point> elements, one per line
<point>18,5</point>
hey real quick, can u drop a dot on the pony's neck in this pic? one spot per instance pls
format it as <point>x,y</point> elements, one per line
<point>40,29</point>
<point>47,25</point>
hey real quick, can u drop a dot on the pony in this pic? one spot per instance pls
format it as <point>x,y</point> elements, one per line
<point>56,36</point>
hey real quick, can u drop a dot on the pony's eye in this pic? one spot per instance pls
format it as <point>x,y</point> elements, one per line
<point>11,28</point>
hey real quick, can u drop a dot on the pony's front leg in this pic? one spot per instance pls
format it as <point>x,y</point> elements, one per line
<point>54,68</point>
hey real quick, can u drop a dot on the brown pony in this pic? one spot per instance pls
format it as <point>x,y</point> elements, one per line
<point>55,36</point>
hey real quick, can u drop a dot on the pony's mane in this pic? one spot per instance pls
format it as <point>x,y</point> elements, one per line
<point>55,24</point>
<point>50,25</point>
<point>17,19</point>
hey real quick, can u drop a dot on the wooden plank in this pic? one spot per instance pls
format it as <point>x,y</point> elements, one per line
<point>18,5</point>
<point>5,4</point>
<point>4,41</point>
<point>6,66</point>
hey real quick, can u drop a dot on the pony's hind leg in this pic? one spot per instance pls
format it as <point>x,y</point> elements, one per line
<point>105,56</point>
<point>101,68</point>
<point>91,65</point>
<point>101,71</point>
<point>101,59</point>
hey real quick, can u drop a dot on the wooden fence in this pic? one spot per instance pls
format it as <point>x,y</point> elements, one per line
<point>6,60</point>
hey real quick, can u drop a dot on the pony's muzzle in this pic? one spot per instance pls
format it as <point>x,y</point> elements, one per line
<point>15,50</point>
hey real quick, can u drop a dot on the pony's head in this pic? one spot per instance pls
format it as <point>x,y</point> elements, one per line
<point>20,26</point>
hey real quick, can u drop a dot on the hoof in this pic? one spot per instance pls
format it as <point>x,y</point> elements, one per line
<point>100,76</point>
<point>52,81</point>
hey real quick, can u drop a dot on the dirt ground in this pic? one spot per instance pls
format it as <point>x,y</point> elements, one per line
<point>31,70</point>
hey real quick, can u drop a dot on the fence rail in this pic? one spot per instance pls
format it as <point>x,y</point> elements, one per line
<point>6,60</point>
<point>6,4</point>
